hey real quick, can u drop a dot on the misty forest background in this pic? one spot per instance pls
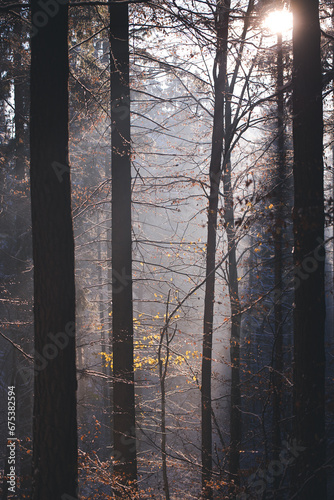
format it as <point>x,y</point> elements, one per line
<point>167,185</point>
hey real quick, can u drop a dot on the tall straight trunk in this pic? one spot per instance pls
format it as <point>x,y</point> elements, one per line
<point>55,424</point>
<point>235,413</point>
<point>122,305</point>
<point>235,409</point>
<point>278,266</point>
<point>105,407</point>
<point>163,368</point>
<point>108,318</point>
<point>222,20</point>
<point>308,226</point>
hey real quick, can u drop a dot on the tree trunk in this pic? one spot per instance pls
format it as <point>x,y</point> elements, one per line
<point>235,415</point>
<point>163,368</point>
<point>55,425</point>
<point>122,306</point>
<point>308,225</point>
<point>222,20</point>
<point>235,412</point>
<point>278,266</point>
<point>105,363</point>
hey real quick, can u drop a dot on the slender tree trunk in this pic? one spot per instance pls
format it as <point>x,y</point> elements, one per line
<point>235,415</point>
<point>55,425</point>
<point>308,225</point>
<point>163,368</point>
<point>105,407</point>
<point>162,375</point>
<point>278,267</point>
<point>122,306</point>
<point>235,412</point>
<point>108,320</point>
<point>222,19</point>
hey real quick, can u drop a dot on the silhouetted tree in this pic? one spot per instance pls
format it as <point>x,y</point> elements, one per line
<point>55,426</point>
<point>308,221</point>
<point>219,76</point>
<point>122,305</point>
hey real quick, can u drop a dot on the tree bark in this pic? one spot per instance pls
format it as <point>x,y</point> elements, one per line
<point>105,364</point>
<point>163,368</point>
<point>308,225</point>
<point>235,414</point>
<point>229,223</point>
<point>55,425</point>
<point>222,21</point>
<point>122,305</point>
<point>278,266</point>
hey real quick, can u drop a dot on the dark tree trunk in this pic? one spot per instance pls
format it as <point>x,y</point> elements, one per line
<point>235,412</point>
<point>308,224</point>
<point>55,426</point>
<point>122,306</point>
<point>105,407</point>
<point>163,368</point>
<point>222,20</point>
<point>235,415</point>
<point>278,267</point>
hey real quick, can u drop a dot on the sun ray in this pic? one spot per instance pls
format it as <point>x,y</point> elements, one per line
<point>278,21</point>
